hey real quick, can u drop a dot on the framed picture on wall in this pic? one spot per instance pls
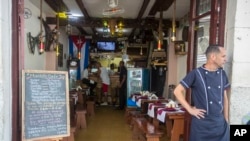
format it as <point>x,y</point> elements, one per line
<point>179,47</point>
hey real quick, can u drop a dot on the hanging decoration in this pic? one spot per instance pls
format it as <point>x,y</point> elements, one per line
<point>173,37</point>
<point>32,42</point>
<point>42,42</point>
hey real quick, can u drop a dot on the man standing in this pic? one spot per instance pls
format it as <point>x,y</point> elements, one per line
<point>209,111</point>
<point>122,85</point>
<point>103,73</point>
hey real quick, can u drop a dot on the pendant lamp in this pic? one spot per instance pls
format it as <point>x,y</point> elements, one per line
<point>160,40</point>
<point>173,37</point>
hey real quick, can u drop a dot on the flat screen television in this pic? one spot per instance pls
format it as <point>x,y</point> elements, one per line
<point>106,46</point>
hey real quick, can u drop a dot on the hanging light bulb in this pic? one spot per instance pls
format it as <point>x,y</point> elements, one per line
<point>173,37</point>
<point>57,50</point>
<point>41,45</point>
<point>79,55</point>
<point>141,53</point>
<point>159,45</point>
<point>68,29</point>
<point>160,41</point>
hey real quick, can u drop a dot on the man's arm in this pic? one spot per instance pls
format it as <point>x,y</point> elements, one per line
<point>179,94</point>
<point>123,80</point>
<point>226,106</point>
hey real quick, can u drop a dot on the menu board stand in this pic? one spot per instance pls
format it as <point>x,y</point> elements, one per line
<point>45,105</point>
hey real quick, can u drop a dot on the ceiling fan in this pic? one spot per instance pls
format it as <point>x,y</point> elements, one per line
<point>113,8</point>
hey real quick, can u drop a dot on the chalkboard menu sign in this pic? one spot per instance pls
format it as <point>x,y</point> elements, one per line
<point>45,104</point>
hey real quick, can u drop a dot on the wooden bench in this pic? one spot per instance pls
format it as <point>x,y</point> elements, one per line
<point>145,131</point>
<point>128,114</point>
<point>134,114</point>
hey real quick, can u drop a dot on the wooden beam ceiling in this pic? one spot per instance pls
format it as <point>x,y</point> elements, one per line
<point>160,5</point>
<point>87,21</point>
<point>98,22</point>
<point>57,5</point>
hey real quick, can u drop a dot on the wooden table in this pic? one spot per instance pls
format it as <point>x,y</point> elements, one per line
<point>145,103</point>
<point>174,122</point>
<point>177,127</point>
<point>142,102</point>
<point>152,112</point>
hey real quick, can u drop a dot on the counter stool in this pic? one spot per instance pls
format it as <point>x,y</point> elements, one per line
<point>91,108</point>
<point>80,97</point>
<point>81,118</point>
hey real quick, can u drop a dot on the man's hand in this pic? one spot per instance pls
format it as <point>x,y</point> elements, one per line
<point>198,113</point>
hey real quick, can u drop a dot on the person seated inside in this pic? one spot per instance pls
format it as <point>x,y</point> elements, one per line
<point>85,80</point>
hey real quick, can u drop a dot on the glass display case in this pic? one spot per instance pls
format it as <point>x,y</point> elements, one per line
<point>73,72</point>
<point>137,81</point>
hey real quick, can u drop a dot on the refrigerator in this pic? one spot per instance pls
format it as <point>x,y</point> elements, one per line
<point>73,71</point>
<point>138,79</point>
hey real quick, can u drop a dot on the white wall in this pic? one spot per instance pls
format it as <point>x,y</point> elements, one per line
<point>63,38</point>
<point>36,61</point>
<point>5,69</point>
<point>32,61</point>
<point>177,64</point>
<point>238,66</point>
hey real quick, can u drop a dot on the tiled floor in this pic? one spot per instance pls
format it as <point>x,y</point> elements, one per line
<point>108,124</point>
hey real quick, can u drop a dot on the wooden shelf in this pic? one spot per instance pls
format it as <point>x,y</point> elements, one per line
<point>159,64</point>
<point>159,54</point>
<point>181,53</point>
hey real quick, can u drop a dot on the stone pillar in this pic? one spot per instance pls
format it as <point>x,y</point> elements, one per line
<point>237,34</point>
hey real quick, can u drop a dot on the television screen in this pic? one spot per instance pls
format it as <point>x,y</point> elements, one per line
<point>106,46</point>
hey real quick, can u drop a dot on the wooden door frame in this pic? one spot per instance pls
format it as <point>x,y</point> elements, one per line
<point>17,21</point>
<point>216,37</point>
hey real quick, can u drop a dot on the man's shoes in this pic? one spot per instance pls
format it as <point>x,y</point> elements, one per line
<point>104,104</point>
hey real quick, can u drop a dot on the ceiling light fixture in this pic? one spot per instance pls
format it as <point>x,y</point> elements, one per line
<point>113,3</point>
<point>112,27</point>
<point>113,8</point>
